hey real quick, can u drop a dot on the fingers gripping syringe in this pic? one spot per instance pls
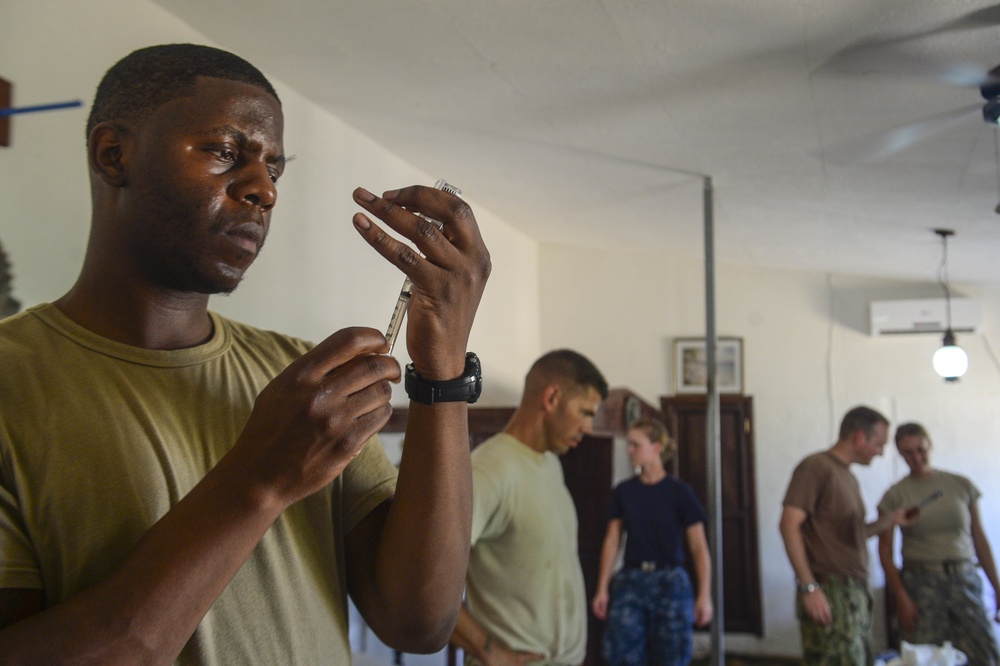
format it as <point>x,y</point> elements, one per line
<point>396,321</point>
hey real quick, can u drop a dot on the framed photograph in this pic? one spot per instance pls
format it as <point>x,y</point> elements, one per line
<point>691,365</point>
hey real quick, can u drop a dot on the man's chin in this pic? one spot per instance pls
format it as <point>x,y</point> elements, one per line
<point>566,448</point>
<point>223,283</point>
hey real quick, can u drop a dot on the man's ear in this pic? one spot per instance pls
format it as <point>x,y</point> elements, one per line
<point>108,146</point>
<point>551,395</point>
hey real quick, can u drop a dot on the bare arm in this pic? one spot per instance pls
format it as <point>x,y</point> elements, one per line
<point>407,561</point>
<point>984,553</point>
<point>790,526</point>
<point>306,426</point>
<point>408,565</point>
<point>702,561</point>
<point>905,608</point>
<point>888,521</point>
<point>609,553</point>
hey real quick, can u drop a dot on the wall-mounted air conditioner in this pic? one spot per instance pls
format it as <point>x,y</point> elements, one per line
<point>925,315</point>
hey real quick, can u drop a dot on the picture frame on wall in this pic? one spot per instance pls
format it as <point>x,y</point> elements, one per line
<point>691,365</point>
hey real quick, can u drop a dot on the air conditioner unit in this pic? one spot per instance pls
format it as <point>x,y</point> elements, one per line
<point>925,315</point>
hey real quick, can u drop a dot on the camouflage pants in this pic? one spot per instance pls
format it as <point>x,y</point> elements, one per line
<point>847,641</point>
<point>950,608</point>
<point>650,618</point>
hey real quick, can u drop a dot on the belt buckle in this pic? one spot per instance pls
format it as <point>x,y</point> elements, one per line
<point>648,566</point>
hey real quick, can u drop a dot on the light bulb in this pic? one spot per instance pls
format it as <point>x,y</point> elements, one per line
<point>950,361</point>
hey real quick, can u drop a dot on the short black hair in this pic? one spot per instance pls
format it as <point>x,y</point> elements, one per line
<point>572,366</point>
<point>149,77</point>
<point>860,418</point>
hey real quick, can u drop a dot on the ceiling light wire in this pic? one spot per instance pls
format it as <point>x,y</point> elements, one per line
<point>943,273</point>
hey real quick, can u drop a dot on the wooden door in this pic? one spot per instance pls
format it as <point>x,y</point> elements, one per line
<point>685,418</point>
<point>587,470</point>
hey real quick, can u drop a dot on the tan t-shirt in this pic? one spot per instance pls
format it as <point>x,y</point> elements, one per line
<point>98,440</point>
<point>834,530</point>
<point>944,529</point>
<point>525,583</point>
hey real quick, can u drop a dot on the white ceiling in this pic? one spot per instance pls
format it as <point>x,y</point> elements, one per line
<point>577,120</point>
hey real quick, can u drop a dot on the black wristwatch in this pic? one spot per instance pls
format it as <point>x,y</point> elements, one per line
<point>806,588</point>
<point>464,389</point>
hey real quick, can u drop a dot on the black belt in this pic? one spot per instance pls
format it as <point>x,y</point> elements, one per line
<point>943,566</point>
<point>648,565</point>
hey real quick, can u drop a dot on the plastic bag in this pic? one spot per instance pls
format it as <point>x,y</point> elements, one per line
<point>931,655</point>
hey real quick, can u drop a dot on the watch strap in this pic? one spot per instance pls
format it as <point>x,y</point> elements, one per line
<point>463,389</point>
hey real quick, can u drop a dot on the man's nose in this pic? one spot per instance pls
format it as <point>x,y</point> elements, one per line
<point>256,186</point>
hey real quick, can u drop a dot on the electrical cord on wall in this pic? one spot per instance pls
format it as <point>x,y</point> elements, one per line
<point>989,350</point>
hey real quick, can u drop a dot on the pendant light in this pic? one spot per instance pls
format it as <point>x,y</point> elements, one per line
<point>950,361</point>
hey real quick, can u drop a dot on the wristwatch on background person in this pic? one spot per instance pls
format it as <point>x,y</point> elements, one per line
<point>463,389</point>
<point>806,588</point>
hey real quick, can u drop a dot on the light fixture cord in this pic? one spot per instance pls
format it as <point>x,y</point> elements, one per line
<point>943,277</point>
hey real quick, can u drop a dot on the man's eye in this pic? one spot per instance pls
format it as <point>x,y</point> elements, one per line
<point>226,154</point>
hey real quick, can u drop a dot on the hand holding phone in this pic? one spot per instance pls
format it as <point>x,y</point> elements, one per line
<point>914,511</point>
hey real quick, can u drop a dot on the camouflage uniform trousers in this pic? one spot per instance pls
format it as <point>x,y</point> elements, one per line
<point>949,600</point>
<point>650,618</point>
<point>847,640</point>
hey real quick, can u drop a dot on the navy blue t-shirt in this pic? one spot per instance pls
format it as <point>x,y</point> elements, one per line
<point>655,518</point>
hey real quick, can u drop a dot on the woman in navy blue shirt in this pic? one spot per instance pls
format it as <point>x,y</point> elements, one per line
<point>651,607</point>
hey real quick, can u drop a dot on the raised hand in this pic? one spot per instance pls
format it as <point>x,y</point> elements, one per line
<point>448,280</point>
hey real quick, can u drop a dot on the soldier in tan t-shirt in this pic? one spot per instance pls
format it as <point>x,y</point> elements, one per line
<point>824,531</point>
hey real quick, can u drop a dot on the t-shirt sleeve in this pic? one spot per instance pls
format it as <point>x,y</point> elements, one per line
<point>18,562</point>
<point>691,510</point>
<point>488,518</point>
<point>368,480</point>
<point>616,508</point>
<point>803,489</point>
<point>972,490</point>
<point>890,501</point>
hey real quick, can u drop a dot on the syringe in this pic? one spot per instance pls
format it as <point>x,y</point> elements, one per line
<point>396,321</point>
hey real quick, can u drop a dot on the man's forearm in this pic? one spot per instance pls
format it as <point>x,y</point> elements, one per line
<point>796,550</point>
<point>880,525</point>
<point>423,549</point>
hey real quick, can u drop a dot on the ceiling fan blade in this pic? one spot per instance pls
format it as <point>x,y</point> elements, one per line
<point>980,18</point>
<point>879,145</point>
<point>880,58</point>
<point>887,54</point>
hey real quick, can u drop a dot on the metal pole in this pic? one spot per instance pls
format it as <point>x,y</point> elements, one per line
<point>712,440</point>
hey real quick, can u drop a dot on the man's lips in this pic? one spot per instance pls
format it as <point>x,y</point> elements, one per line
<point>249,236</point>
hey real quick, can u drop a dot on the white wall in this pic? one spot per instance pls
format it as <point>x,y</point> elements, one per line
<point>808,359</point>
<point>315,275</point>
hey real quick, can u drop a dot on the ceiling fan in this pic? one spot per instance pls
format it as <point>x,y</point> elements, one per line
<point>891,56</point>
